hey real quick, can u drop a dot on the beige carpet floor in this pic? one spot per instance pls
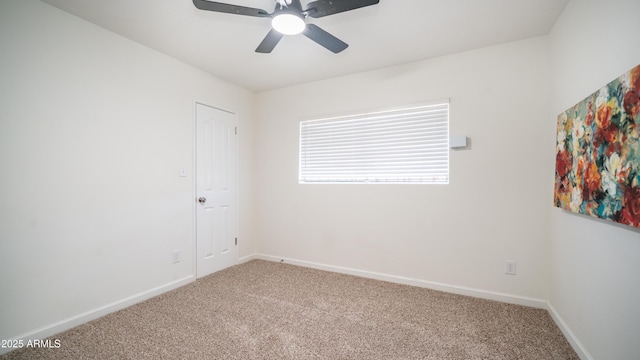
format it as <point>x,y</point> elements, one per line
<point>266,310</point>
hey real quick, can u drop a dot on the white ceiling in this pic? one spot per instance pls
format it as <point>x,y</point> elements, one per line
<point>390,33</point>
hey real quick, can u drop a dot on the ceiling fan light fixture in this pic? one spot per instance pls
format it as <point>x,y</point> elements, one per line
<point>288,24</point>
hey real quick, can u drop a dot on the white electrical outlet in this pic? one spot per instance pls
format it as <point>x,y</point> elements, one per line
<point>175,256</point>
<point>510,267</point>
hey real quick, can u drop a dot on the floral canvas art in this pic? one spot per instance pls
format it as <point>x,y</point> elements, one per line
<point>598,153</point>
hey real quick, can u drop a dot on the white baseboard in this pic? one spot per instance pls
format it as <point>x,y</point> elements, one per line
<point>80,319</point>
<point>483,294</point>
<point>248,258</point>
<point>571,337</point>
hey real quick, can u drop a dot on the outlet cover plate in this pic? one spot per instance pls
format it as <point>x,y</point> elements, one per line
<point>175,256</point>
<point>510,267</point>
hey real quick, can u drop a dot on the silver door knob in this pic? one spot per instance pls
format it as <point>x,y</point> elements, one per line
<point>202,200</point>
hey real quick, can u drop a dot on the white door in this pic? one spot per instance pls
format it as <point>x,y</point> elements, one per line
<point>216,215</point>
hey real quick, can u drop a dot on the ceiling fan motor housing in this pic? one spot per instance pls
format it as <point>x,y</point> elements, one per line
<point>288,19</point>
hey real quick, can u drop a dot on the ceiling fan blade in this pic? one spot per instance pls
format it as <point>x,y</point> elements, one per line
<point>269,42</point>
<point>325,39</point>
<point>296,5</point>
<point>229,8</point>
<point>320,8</point>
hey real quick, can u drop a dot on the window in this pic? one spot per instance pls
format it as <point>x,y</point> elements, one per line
<point>404,146</point>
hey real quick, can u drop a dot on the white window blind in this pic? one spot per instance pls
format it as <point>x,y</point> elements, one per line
<point>401,146</point>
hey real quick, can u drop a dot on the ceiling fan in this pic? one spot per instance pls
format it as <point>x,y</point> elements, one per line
<point>288,18</point>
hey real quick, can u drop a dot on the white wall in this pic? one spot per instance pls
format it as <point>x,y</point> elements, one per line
<point>595,265</point>
<point>494,209</point>
<point>94,129</point>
